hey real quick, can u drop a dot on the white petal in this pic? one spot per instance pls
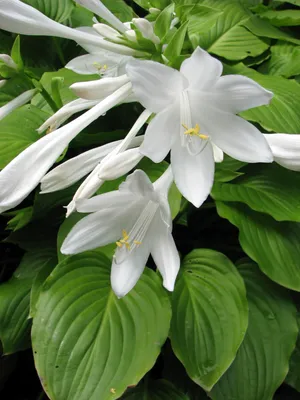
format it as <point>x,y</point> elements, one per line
<point>155,85</point>
<point>18,17</point>
<point>236,93</point>
<point>64,113</point>
<point>25,171</point>
<point>8,61</point>
<point>98,8</point>
<point>17,102</point>
<point>74,169</point>
<point>235,136</point>
<point>125,275</point>
<point>161,133</point>
<point>99,89</point>
<point>104,63</point>
<point>138,183</point>
<point>193,174</point>
<point>120,164</point>
<point>96,230</point>
<point>218,153</point>
<point>146,29</point>
<point>114,199</point>
<point>201,69</point>
<point>165,254</point>
<point>107,32</point>
<point>285,149</point>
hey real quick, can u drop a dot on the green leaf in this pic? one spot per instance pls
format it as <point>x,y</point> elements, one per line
<point>155,390</point>
<point>87,343</point>
<point>284,61</point>
<point>16,53</point>
<point>210,315</point>
<point>58,10</point>
<point>18,131</point>
<point>20,218</point>
<point>120,9</point>
<point>266,188</point>
<point>13,88</point>
<point>163,22</point>
<point>282,114</point>
<point>283,17</point>
<point>228,37</point>
<point>275,246</point>
<point>262,361</point>
<point>15,298</point>
<point>175,45</point>
<point>293,377</point>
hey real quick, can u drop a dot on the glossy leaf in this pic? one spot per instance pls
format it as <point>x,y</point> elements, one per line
<point>210,315</point>
<point>90,344</point>
<point>262,361</point>
<point>275,246</point>
<point>59,10</point>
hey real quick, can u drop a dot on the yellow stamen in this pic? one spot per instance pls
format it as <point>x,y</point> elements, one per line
<point>125,241</point>
<point>194,131</point>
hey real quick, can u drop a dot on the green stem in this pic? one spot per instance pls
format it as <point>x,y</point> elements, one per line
<point>45,94</point>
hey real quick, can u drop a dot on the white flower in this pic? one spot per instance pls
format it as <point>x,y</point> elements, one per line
<point>286,149</point>
<point>25,171</point>
<point>17,102</point>
<point>137,217</point>
<point>18,17</point>
<point>195,108</point>
<point>107,168</point>
<point>8,61</point>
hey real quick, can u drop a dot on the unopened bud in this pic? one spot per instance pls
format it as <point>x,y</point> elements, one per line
<point>119,165</point>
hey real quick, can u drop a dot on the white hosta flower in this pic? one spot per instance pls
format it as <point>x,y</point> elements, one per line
<point>7,60</point>
<point>137,217</point>
<point>17,102</point>
<point>97,177</point>
<point>104,63</point>
<point>25,171</point>
<point>146,29</point>
<point>108,32</point>
<point>18,17</point>
<point>71,171</point>
<point>195,108</point>
<point>64,113</point>
<point>286,149</point>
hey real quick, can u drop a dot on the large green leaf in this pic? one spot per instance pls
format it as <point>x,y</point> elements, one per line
<point>282,18</point>
<point>15,299</point>
<point>282,115</point>
<point>293,377</point>
<point>88,344</point>
<point>120,9</point>
<point>284,61</point>
<point>210,315</point>
<point>18,131</point>
<point>155,390</point>
<point>275,246</point>
<point>13,88</point>
<point>262,361</point>
<point>59,10</point>
<point>266,188</point>
<point>228,37</point>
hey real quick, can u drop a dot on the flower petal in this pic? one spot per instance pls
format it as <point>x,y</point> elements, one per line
<point>96,230</point>
<point>125,275</point>
<point>201,70</point>
<point>138,183</point>
<point>218,153</point>
<point>165,254</point>
<point>193,174</point>
<point>114,199</point>
<point>155,85</point>
<point>285,149</point>
<point>236,137</point>
<point>236,93</point>
<point>17,102</point>
<point>105,63</point>
<point>161,133</point>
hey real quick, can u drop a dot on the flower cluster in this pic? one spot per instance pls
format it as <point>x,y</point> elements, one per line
<point>191,112</point>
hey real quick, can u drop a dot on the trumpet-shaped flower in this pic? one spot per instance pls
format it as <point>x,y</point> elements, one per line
<point>286,149</point>
<point>196,108</point>
<point>137,217</point>
<point>25,171</point>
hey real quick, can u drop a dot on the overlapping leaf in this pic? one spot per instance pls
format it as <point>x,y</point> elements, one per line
<point>262,361</point>
<point>87,342</point>
<point>210,316</point>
